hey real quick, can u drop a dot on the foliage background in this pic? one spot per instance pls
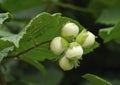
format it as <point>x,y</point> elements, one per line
<point>93,15</point>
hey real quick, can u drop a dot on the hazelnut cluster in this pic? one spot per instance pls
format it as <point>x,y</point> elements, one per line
<point>71,44</point>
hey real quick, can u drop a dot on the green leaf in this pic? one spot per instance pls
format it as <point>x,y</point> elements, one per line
<point>21,5</point>
<point>4,31</point>
<point>95,80</point>
<point>25,8</point>
<point>34,46</point>
<point>109,16</point>
<point>39,53</point>
<point>4,17</point>
<point>45,26</point>
<point>5,51</point>
<point>104,3</point>
<point>94,5</point>
<point>6,35</point>
<point>35,63</point>
<point>111,33</point>
<point>53,75</point>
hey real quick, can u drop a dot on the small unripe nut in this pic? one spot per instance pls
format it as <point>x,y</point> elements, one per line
<point>89,41</point>
<point>65,64</point>
<point>85,38</point>
<point>74,52</point>
<point>70,30</point>
<point>58,45</point>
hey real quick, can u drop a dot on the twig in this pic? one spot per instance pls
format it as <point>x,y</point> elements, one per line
<point>29,49</point>
<point>70,6</point>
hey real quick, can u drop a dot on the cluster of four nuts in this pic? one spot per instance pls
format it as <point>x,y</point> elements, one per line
<point>70,46</point>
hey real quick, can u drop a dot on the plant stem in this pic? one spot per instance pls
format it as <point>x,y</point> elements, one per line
<point>29,49</point>
<point>70,6</point>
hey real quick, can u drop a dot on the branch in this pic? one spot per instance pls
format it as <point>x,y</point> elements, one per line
<point>70,6</point>
<point>29,49</point>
